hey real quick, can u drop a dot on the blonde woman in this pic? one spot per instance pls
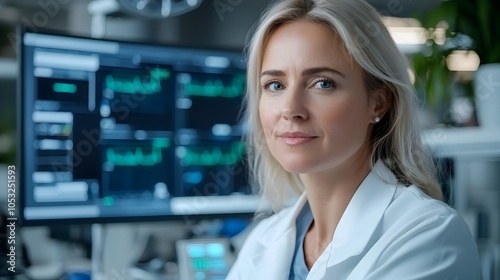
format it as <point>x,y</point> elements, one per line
<point>332,119</point>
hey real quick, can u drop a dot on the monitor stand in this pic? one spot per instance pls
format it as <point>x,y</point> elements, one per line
<point>115,247</point>
<point>97,258</point>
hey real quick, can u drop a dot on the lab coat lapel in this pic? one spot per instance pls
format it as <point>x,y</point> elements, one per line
<point>360,219</point>
<point>274,261</point>
<point>275,258</point>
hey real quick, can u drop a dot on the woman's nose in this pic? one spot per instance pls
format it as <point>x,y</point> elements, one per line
<point>294,107</point>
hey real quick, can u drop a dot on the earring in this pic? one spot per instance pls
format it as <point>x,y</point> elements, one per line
<point>377,119</point>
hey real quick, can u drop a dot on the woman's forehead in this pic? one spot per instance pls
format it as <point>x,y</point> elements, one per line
<point>307,43</point>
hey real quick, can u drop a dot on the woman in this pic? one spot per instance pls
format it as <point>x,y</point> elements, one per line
<point>332,118</point>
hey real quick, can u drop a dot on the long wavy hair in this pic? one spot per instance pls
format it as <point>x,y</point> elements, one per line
<point>395,140</point>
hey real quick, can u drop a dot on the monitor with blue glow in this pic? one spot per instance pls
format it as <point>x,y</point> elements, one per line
<point>116,131</point>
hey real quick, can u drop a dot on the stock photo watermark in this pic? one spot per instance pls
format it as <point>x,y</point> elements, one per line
<point>11,225</point>
<point>224,6</point>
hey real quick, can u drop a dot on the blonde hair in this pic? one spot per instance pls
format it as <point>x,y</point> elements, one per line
<point>395,140</point>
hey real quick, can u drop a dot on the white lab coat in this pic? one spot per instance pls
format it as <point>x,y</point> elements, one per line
<point>388,231</point>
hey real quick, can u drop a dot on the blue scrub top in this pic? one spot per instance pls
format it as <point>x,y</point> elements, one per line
<point>298,268</point>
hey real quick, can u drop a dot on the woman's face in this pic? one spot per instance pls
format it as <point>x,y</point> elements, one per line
<point>314,109</point>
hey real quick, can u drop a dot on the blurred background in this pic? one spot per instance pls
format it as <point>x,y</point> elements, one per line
<point>454,48</point>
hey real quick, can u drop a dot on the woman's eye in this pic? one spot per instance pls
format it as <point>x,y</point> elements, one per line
<point>324,84</point>
<point>274,86</point>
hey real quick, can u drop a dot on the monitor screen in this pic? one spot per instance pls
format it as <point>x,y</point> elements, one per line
<point>116,131</point>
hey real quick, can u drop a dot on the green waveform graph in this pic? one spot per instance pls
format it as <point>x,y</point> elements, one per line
<point>138,84</point>
<point>138,156</point>
<point>214,156</point>
<point>217,88</point>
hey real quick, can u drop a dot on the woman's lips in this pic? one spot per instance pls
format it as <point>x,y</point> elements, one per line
<point>296,138</point>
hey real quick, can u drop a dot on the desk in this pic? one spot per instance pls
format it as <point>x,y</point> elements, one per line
<point>463,142</point>
<point>464,146</point>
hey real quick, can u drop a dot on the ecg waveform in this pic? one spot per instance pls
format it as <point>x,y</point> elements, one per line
<point>143,84</point>
<point>213,156</point>
<point>129,157</point>
<point>216,88</point>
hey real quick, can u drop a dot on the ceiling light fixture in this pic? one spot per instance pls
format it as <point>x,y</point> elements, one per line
<point>158,9</point>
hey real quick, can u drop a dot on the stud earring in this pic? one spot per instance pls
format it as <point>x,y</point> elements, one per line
<point>377,119</point>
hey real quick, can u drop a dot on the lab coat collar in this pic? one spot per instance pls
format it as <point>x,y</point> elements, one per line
<point>285,222</point>
<point>357,225</point>
<point>363,214</point>
<point>278,243</point>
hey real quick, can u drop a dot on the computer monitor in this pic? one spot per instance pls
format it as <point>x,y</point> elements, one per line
<point>115,131</point>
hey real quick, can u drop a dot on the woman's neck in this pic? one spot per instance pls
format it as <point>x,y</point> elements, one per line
<point>329,194</point>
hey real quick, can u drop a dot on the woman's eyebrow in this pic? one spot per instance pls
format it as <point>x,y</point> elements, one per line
<point>306,72</point>
<point>316,70</point>
<point>272,73</point>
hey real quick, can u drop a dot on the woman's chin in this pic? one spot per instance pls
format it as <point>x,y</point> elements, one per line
<point>297,168</point>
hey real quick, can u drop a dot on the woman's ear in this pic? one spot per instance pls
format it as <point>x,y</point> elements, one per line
<point>380,102</point>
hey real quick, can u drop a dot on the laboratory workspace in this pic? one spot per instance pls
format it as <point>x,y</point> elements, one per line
<point>237,139</point>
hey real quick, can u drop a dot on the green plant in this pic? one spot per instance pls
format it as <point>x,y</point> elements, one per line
<point>469,25</point>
